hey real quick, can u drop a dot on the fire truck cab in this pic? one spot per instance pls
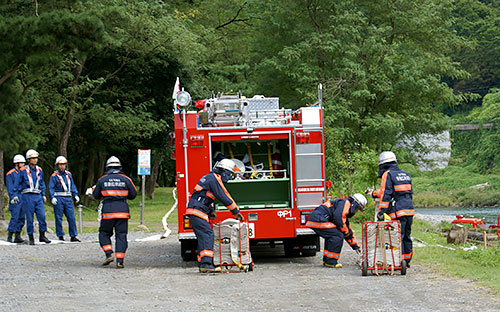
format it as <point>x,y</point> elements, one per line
<point>280,155</point>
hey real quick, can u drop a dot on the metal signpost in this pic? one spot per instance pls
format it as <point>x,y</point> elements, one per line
<point>143,169</point>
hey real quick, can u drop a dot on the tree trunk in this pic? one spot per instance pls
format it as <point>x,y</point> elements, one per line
<point>151,182</point>
<point>70,111</point>
<point>102,163</point>
<point>2,183</point>
<point>90,177</point>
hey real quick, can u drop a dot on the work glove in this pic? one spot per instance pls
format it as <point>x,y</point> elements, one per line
<point>14,200</point>
<point>89,191</point>
<point>380,216</point>
<point>54,201</point>
<point>213,215</point>
<point>44,198</point>
<point>239,216</point>
<point>77,199</point>
<point>369,191</point>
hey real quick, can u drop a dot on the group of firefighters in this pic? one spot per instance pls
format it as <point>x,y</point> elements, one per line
<point>330,220</point>
<point>26,190</point>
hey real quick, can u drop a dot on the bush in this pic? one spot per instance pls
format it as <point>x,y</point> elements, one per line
<point>484,257</point>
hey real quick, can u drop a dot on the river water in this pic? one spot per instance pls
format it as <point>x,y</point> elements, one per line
<point>447,214</point>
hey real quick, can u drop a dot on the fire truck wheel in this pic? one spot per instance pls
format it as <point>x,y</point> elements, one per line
<point>188,249</point>
<point>403,267</point>
<point>364,268</point>
<point>291,249</point>
<point>308,253</point>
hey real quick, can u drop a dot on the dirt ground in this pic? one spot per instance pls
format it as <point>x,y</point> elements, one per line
<point>69,277</point>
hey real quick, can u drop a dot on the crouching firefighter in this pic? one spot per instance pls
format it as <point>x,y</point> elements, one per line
<point>32,187</point>
<point>330,220</point>
<point>62,189</point>
<point>114,188</point>
<point>200,208</point>
<point>396,199</point>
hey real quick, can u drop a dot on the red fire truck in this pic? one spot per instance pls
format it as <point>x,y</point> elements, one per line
<point>281,157</point>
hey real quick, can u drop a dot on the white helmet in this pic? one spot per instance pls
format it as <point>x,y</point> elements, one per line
<point>113,162</point>
<point>19,159</point>
<point>227,164</point>
<point>31,154</point>
<point>386,157</point>
<point>61,160</point>
<point>361,200</point>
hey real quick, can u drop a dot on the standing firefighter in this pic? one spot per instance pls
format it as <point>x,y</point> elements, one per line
<point>32,188</point>
<point>396,196</point>
<point>114,188</point>
<point>330,220</point>
<point>15,206</point>
<point>200,207</point>
<point>62,189</point>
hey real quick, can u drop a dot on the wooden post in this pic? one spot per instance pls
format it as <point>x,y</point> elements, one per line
<point>485,240</point>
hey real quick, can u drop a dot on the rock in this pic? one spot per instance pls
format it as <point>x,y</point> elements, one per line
<point>142,227</point>
<point>457,235</point>
<point>480,186</point>
<point>4,225</point>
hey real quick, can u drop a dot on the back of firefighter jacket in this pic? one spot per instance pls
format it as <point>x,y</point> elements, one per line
<point>115,188</point>
<point>339,212</point>
<point>207,190</point>
<point>396,193</point>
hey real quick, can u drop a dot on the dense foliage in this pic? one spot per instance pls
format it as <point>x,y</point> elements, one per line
<point>89,79</point>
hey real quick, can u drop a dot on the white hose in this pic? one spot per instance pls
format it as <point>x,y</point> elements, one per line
<point>165,217</point>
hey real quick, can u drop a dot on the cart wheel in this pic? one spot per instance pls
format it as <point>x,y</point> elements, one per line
<point>403,267</point>
<point>364,268</point>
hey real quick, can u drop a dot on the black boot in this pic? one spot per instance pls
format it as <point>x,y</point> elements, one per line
<point>9,237</point>
<point>32,240</point>
<point>18,239</point>
<point>61,238</point>
<point>75,239</point>
<point>44,239</point>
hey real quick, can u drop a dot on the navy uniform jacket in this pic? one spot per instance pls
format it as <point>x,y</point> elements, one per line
<point>115,188</point>
<point>395,193</point>
<point>11,180</point>
<point>62,184</point>
<point>35,185</point>
<point>205,192</point>
<point>334,214</point>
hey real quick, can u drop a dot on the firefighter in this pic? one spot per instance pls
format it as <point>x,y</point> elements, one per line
<point>32,187</point>
<point>15,206</point>
<point>396,198</point>
<point>330,220</point>
<point>62,189</point>
<point>200,208</point>
<point>114,188</point>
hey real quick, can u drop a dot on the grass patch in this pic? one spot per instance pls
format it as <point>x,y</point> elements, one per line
<point>480,265</point>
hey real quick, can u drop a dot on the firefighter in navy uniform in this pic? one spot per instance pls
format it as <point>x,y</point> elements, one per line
<point>114,188</point>
<point>396,199</point>
<point>200,208</point>
<point>32,187</point>
<point>62,189</point>
<point>16,213</point>
<point>330,220</point>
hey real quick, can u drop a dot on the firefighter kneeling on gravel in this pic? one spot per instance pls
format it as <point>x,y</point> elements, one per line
<point>200,207</point>
<point>114,188</point>
<point>330,220</point>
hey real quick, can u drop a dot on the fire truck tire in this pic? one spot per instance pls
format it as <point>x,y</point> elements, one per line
<point>403,267</point>
<point>291,248</point>
<point>308,253</point>
<point>188,249</point>
<point>364,268</point>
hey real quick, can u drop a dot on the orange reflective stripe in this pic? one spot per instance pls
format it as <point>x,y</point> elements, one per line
<point>10,171</point>
<point>405,213</point>
<point>206,253</point>
<point>383,182</point>
<point>119,255</point>
<point>129,180</point>
<point>223,187</point>
<point>232,206</point>
<point>332,255</point>
<point>107,247</point>
<point>209,194</point>
<point>116,215</point>
<point>392,215</point>
<point>327,204</point>
<point>402,187</point>
<point>345,212</point>
<point>198,213</point>
<point>117,193</point>
<point>320,225</point>
<point>198,188</point>
<point>376,193</point>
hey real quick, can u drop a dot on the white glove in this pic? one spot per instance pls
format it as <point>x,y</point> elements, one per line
<point>44,198</point>
<point>77,199</point>
<point>89,191</point>
<point>54,201</point>
<point>14,200</point>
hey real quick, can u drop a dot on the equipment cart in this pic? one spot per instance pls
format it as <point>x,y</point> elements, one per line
<point>381,250</point>
<point>232,246</point>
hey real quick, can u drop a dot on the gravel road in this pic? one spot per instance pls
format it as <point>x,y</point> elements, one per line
<point>68,277</point>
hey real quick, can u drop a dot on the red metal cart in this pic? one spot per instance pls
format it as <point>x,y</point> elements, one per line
<point>232,246</point>
<point>381,250</point>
